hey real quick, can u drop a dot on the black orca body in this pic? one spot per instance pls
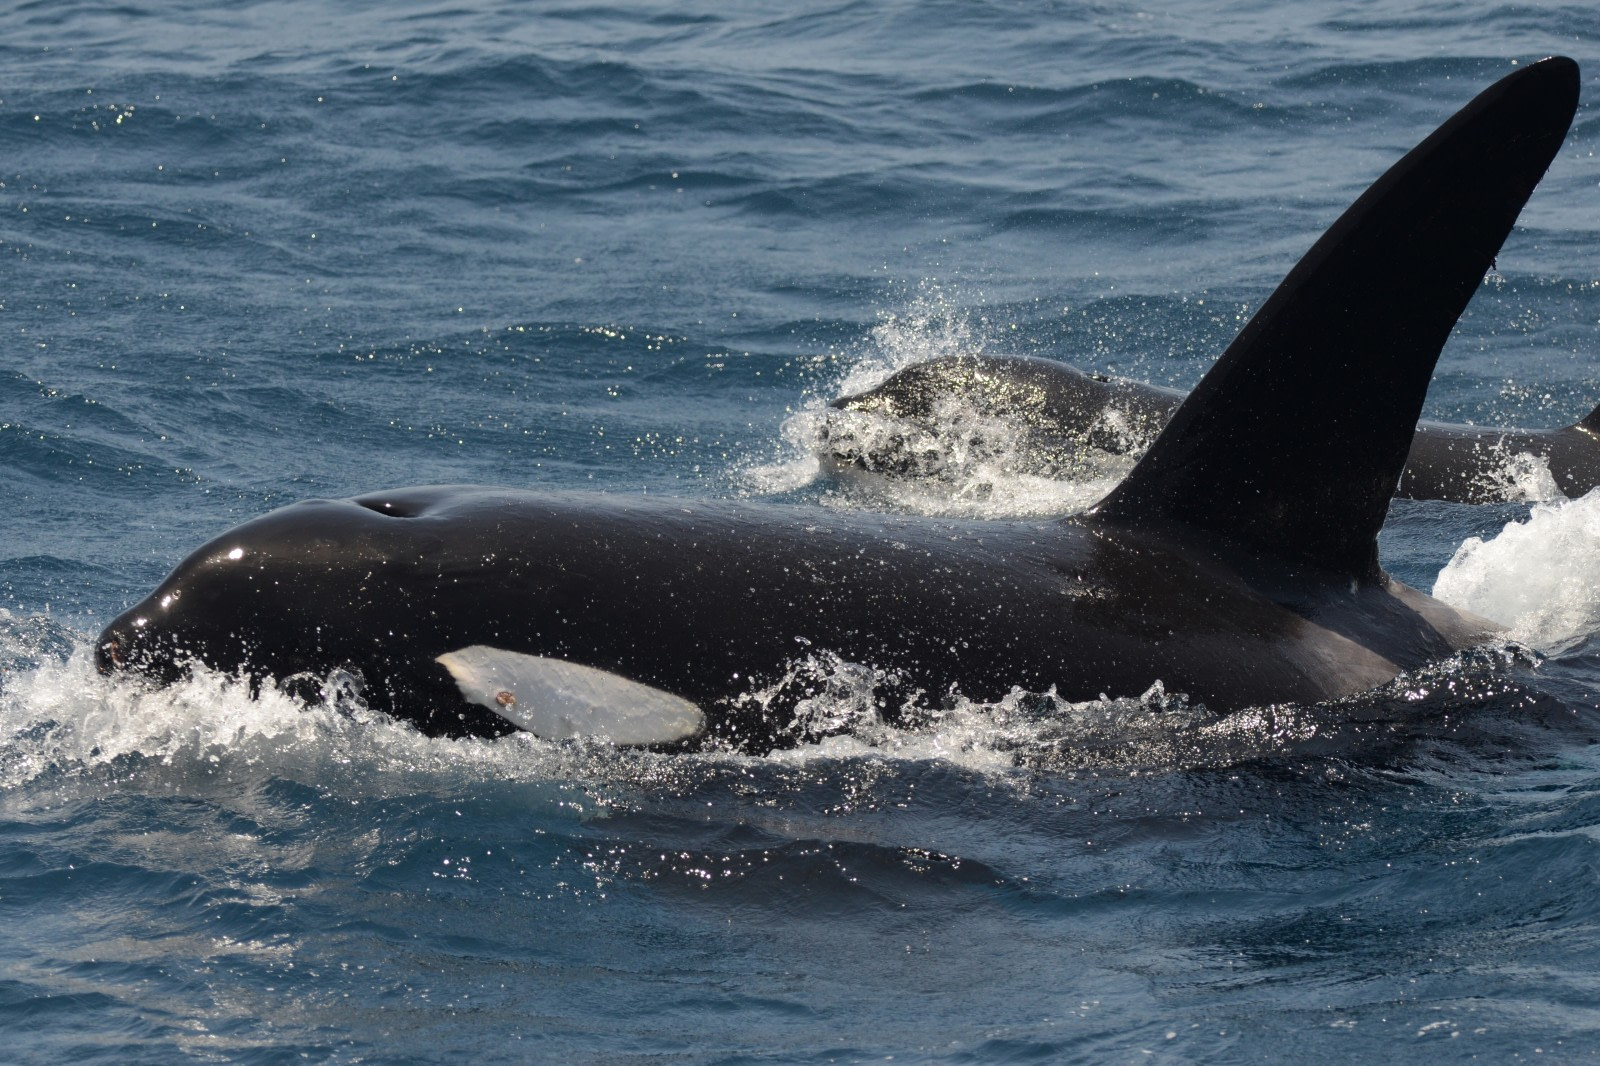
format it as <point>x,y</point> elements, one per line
<point>1049,413</point>
<point>1217,567</point>
<point>713,601</point>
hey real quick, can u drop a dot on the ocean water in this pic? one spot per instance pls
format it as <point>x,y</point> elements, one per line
<point>255,253</point>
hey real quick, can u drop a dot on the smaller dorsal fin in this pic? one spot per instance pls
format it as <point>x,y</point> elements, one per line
<point>1292,444</point>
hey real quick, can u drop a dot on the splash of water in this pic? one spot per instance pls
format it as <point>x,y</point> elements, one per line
<point>1538,577</point>
<point>1521,477</point>
<point>63,726</point>
<point>964,462</point>
<point>930,325</point>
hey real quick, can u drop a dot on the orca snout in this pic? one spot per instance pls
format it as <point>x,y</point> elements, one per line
<point>129,643</point>
<point>120,645</point>
<point>108,653</point>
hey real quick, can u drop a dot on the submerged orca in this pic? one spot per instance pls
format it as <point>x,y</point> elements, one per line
<point>1217,566</point>
<point>1051,415</point>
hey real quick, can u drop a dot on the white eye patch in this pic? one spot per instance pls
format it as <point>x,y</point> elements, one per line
<point>555,699</point>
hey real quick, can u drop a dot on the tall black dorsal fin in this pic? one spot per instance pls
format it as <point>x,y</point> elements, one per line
<point>1294,441</point>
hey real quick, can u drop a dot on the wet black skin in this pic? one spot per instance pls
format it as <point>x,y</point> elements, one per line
<point>1056,410</point>
<point>1217,566</point>
<point>714,601</point>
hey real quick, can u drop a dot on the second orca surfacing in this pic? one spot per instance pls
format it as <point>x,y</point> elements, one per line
<point>1217,567</point>
<point>1052,419</point>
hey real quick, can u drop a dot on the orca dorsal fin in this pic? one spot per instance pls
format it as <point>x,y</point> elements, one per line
<point>1293,443</point>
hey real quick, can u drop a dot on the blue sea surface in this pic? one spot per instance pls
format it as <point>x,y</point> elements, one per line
<point>261,252</point>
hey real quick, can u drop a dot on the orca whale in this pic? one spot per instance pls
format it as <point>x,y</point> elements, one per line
<point>1050,417</point>
<point>1216,567</point>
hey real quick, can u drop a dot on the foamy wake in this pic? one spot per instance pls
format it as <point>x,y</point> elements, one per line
<point>1540,577</point>
<point>64,725</point>
<point>64,728</point>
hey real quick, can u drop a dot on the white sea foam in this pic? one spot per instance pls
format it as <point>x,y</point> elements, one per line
<point>964,462</point>
<point>797,463</point>
<point>930,325</point>
<point>1156,732</point>
<point>1540,577</point>
<point>62,722</point>
<point>63,726</point>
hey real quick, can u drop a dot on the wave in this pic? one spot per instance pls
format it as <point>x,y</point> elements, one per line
<point>1539,576</point>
